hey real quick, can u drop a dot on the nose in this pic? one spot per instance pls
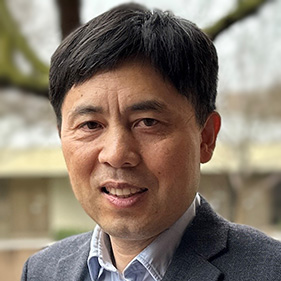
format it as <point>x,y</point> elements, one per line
<point>119,149</point>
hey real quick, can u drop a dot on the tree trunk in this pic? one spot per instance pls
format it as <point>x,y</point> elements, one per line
<point>69,11</point>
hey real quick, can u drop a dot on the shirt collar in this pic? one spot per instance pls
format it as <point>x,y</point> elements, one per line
<point>99,257</point>
<point>155,258</point>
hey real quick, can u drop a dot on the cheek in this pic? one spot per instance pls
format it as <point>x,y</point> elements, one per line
<point>80,161</point>
<point>175,161</point>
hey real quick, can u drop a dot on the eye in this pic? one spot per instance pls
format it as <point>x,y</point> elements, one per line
<point>91,125</point>
<point>147,122</point>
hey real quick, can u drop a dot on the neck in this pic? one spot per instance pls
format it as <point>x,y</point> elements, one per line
<point>125,251</point>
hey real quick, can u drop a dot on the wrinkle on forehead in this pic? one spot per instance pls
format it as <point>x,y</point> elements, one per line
<point>130,88</point>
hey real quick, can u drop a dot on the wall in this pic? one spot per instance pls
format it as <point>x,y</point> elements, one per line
<point>65,211</point>
<point>23,207</point>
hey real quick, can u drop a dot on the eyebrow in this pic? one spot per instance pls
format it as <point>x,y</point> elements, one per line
<point>84,110</point>
<point>148,106</point>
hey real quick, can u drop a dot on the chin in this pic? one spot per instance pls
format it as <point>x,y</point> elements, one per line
<point>132,231</point>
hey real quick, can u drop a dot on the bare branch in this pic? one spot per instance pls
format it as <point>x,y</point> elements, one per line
<point>12,42</point>
<point>243,10</point>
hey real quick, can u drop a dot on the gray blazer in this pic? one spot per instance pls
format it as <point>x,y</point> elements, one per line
<point>212,249</point>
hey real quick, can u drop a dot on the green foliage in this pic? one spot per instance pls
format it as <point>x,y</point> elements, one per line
<point>63,233</point>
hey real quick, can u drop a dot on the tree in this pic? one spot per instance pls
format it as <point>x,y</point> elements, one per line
<point>69,15</point>
<point>12,42</point>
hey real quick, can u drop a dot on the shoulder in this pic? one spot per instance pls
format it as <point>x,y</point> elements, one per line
<point>250,253</point>
<point>64,247</point>
<point>71,253</point>
<point>237,250</point>
<point>238,235</point>
<point>250,240</point>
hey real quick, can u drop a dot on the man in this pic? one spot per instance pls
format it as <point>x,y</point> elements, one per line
<point>134,93</point>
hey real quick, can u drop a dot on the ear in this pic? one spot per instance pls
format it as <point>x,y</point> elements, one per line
<point>209,134</point>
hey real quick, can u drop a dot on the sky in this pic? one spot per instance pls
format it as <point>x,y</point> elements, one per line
<point>249,55</point>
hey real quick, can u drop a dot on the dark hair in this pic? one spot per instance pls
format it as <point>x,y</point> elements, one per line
<point>175,47</point>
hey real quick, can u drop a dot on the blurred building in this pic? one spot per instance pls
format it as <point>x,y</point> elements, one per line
<point>37,205</point>
<point>37,200</point>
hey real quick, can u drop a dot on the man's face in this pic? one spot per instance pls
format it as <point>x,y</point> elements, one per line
<point>132,148</point>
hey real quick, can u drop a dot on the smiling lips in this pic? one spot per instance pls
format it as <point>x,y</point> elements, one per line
<point>121,190</point>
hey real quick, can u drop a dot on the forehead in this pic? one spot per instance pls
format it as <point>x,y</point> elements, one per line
<point>130,85</point>
<point>137,75</point>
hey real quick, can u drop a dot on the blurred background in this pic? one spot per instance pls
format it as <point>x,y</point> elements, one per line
<point>242,182</point>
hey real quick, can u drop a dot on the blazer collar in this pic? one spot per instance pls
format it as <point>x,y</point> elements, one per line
<point>203,239</point>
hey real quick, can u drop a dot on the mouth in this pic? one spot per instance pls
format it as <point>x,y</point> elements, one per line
<point>122,192</point>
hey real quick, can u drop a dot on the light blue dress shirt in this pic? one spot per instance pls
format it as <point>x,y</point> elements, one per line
<point>150,265</point>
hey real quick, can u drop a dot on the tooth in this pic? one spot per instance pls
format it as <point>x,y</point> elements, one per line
<point>134,190</point>
<point>126,191</point>
<point>119,192</point>
<point>123,192</point>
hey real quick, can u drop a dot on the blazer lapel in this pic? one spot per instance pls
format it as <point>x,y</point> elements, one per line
<point>205,238</point>
<point>192,267</point>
